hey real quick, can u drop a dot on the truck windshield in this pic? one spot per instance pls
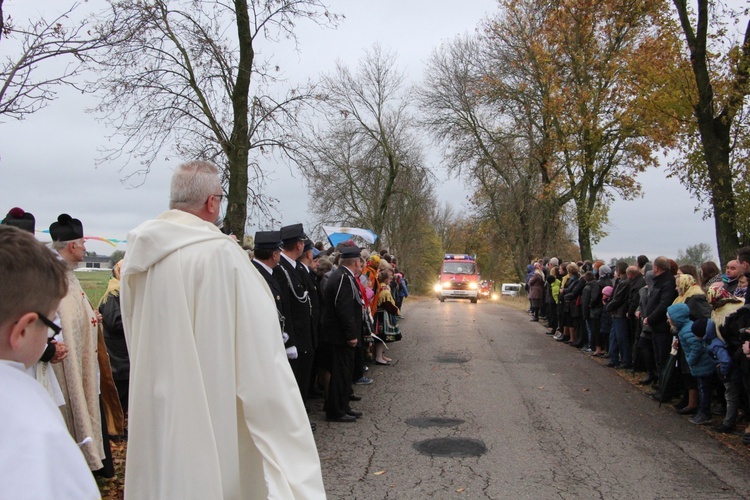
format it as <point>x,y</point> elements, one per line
<point>459,268</point>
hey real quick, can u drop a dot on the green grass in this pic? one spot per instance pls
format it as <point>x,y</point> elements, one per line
<point>94,283</point>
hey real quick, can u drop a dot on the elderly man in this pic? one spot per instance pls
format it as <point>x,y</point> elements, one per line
<point>342,328</point>
<point>214,408</point>
<point>81,375</point>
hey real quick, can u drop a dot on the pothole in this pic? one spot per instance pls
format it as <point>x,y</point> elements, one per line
<point>434,422</point>
<point>451,357</point>
<point>451,447</point>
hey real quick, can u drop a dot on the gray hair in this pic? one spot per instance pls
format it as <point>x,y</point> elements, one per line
<point>59,245</point>
<point>192,183</point>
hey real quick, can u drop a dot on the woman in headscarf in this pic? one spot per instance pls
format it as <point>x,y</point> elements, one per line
<point>114,336</point>
<point>690,293</point>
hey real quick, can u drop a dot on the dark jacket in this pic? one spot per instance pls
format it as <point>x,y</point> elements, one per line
<point>280,297</point>
<point>635,287</point>
<point>698,306</point>
<point>659,299</point>
<point>620,301</point>
<point>588,290</point>
<point>342,317</point>
<point>114,338</point>
<point>300,312</point>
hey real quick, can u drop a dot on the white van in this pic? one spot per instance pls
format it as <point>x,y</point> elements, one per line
<point>512,289</point>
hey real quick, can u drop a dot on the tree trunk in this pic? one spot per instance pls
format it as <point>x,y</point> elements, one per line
<point>583,217</point>
<point>714,132</point>
<point>237,150</point>
<point>715,139</point>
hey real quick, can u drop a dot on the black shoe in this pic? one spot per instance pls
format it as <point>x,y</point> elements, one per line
<point>648,380</point>
<point>354,397</point>
<point>688,411</point>
<point>612,365</point>
<point>724,429</point>
<point>625,367</point>
<point>342,418</point>
<point>536,320</point>
<point>354,413</point>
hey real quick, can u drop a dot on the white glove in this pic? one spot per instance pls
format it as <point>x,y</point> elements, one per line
<point>285,336</point>
<point>291,352</point>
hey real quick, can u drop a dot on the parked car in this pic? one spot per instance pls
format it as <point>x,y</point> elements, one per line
<point>512,289</point>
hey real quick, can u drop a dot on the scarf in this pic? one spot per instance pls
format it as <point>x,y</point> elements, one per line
<point>113,287</point>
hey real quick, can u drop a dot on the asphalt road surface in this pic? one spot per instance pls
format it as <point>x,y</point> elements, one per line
<point>514,415</point>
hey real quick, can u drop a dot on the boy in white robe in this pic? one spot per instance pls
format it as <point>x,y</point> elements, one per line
<point>38,458</point>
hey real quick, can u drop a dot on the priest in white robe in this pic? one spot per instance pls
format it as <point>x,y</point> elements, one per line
<point>214,408</point>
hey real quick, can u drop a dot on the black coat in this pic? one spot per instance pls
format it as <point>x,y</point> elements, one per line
<point>300,306</point>
<point>660,298</point>
<point>620,301</point>
<point>342,316</point>
<point>311,283</point>
<point>114,338</point>
<point>635,294</point>
<point>281,298</point>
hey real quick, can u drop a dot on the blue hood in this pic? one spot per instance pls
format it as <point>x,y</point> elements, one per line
<point>679,314</point>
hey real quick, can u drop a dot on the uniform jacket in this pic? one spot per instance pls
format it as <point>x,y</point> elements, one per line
<point>281,299</point>
<point>300,303</point>
<point>342,319</point>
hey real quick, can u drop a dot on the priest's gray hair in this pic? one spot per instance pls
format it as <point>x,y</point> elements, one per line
<point>192,183</point>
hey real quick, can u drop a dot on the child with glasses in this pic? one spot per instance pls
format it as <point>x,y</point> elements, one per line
<point>38,457</point>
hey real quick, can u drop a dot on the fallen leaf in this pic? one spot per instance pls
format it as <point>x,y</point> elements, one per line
<point>585,390</point>
<point>540,387</point>
<point>460,490</point>
<point>378,473</point>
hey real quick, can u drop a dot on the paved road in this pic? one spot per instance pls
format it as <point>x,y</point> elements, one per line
<point>553,422</point>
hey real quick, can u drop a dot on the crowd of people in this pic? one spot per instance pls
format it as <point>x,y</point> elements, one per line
<point>686,328</point>
<point>215,381</point>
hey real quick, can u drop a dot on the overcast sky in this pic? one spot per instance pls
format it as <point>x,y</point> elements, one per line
<point>48,160</point>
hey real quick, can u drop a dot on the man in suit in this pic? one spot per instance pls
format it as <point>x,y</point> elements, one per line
<point>267,253</point>
<point>342,327</point>
<point>300,319</point>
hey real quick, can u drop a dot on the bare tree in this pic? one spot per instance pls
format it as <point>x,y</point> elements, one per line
<point>184,76</point>
<point>494,151</point>
<point>359,156</point>
<point>27,82</point>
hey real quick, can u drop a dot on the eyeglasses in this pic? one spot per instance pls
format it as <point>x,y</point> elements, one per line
<point>56,329</point>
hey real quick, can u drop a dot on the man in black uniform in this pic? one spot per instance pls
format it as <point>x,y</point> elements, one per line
<point>267,253</point>
<point>289,274</point>
<point>342,327</point>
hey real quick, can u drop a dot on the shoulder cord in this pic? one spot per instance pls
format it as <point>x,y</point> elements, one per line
<point>355,291</point>
<point>305,297</point>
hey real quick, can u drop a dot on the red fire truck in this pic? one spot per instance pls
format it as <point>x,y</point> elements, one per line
<point>459,278</point>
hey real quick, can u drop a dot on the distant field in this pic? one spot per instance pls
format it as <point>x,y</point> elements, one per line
<point>94,283</point>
